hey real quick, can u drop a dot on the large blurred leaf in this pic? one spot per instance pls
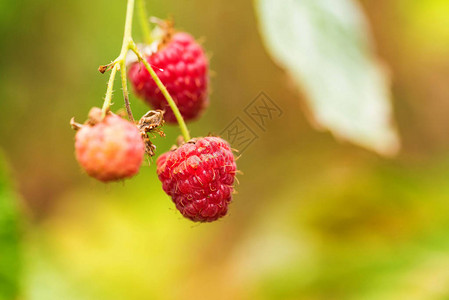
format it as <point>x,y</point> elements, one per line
<point>9,237</point>
<point>326,46</point>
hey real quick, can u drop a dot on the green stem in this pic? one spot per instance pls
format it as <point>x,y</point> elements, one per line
<point>143,19</point>
<point>108,97</point>
<point>125,90</point>
<point>120,63</point>
<point>161,86</point>
<point>127,36</point>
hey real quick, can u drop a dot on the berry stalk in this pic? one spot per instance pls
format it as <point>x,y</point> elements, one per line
<point>125,90</point>
<point>108,97</point>
<point>120,63</point>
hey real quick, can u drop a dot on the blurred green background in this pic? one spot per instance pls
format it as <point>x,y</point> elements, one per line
<point>313,218</point>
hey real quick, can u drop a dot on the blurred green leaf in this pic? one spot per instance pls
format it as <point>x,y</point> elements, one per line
<point>9,237</point>
<point>326,46</point>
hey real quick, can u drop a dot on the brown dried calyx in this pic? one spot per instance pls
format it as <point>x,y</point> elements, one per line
<point>167,29</point>
<point>151,122</point>
<point>94,117</point>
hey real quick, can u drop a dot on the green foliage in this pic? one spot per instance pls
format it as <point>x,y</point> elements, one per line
<point>326,48</point>
<point>9,237</point>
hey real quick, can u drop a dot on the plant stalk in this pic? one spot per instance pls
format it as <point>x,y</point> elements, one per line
<point>120,63</point>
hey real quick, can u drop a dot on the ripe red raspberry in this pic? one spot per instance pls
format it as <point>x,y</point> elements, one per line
<point>111,149</point>
<point>184,72</point>
<point>199,177</point>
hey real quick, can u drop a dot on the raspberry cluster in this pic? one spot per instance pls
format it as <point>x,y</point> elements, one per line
<point>199,177</point>
<point>199,174</point>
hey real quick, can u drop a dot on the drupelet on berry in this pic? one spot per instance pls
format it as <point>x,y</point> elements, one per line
<point>199,177</point>
<point>110,149</point>
<point>182,66</point>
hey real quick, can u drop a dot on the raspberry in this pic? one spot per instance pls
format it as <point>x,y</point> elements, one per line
<point>199,177</point>
<point>110,149</point>
<point>184,72</point>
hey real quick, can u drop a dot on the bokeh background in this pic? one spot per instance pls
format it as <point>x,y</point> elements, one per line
<point>314,218</point>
